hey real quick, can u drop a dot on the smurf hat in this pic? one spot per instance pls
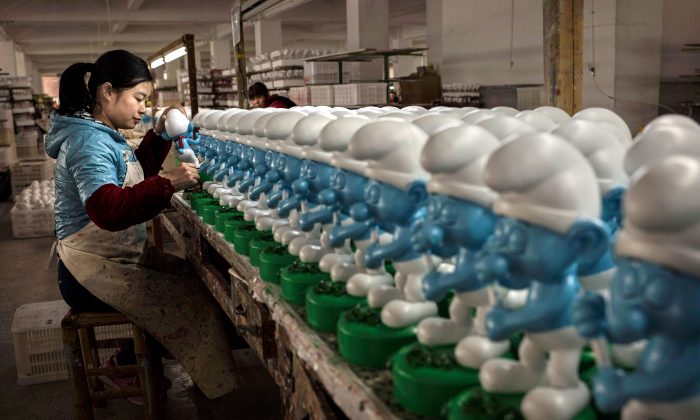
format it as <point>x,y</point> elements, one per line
<point>393,149</point>
<point>258,138</point>
<point>455,158</point>
<point>399,115</point>
<point>503,126</point>
<point>544,180</point>
<point>305,134</point>
<point>336,136</point>
<point>505,110</point>
<point>602,114</point>
<point>662,215</point>
<point>280,126</point>
<point>659,142</point>
<point>477,115</point>
<point>672,119</point>
<point>415,109</point>
<point>600,147</point>
<point>210,121</point>
<point>537,120</point>
<point>453,112</point>
<point>432,123</point>
<point>557,115</point>
<point>246,125</point>
<point>224,122</point>
<point>231,123</point>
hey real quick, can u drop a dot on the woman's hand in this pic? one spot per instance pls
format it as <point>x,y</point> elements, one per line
<point>185,175</point>
<point>160,126</point>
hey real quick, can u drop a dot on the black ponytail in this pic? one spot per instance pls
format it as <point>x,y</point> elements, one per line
<point>122,69</point>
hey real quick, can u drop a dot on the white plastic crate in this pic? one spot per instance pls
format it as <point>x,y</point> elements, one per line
<point>33,223</point>
<point>36,335</point>
<point>22,173</point>
<point>300,95</point>
<point>27,138</point>
<point>321,95</point>
<point>7,157</point>
<point>30,152</point>
<point>359,94</point>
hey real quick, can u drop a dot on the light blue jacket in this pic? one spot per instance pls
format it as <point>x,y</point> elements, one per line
<point>88,155</point>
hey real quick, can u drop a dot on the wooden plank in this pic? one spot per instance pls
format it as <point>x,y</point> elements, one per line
<point>563,53</point>
<point>296,343</point>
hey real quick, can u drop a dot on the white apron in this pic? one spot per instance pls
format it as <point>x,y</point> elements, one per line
<point>154,291</point>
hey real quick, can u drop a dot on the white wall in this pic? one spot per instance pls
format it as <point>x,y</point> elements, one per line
<point>680,26</point>
<point>7,58</point>
<point>476,42</point>
<point>598,52</point>
<point>638,33</point>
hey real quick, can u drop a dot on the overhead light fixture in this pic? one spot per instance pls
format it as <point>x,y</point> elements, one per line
<point>157,62</point>
<point>175,54</point>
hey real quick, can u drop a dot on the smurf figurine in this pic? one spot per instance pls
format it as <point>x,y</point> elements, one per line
<point>395,196</point>
<point>181,131</point>
<point>459,221</point>
<point>335,201</point>
<point>278,129</point>
<point>549,202</point>
<point>654,296</point>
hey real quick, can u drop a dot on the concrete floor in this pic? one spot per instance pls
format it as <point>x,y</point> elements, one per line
<point>24,278</point>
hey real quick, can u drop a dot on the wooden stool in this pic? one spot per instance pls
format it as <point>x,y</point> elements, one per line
<point>78,330</point>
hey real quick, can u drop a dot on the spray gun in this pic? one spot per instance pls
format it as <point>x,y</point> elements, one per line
<point>179,129</point>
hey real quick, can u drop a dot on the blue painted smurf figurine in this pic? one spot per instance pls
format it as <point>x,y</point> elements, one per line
<point>396,195</point>
<point>654,296</point>
<point>459,221</point>
<point>550,204</point>
<point>277,131</point>
<point>305,189</point>
<point>349,184</point>
<point>335,201</point>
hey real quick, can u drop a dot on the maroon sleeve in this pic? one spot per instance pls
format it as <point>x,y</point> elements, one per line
<point>152,152</point>
<point>113,208</point>
<point>277,104</point>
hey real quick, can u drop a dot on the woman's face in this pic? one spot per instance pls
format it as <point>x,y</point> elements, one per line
<point>124,109</point>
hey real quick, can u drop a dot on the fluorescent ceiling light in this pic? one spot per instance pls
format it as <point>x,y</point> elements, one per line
<point>175,54</point>
<point>157,62</point>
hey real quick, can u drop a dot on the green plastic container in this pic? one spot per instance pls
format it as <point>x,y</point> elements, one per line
<point>296,278</point>
<point>272,260</point>
<point>201,203</point>
<point>325,302</point>
<point>241,239</point>
<point>196,196</point>
<point>364,341</point>
<point>259,242</point>
<point>209,213</point>
<point>203,177</point>
<point>425,378</point>
<point>230,228</point>
<point>478,404</point>
<point>224,214</point>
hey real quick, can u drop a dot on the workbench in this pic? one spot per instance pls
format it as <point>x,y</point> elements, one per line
<point>314,380</point>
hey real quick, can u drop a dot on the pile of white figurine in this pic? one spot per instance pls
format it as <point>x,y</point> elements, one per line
<point>39,195</point>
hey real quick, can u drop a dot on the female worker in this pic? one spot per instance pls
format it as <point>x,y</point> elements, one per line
<point>104,194</point>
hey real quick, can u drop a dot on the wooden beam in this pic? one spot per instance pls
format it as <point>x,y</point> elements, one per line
<point>563,53</point>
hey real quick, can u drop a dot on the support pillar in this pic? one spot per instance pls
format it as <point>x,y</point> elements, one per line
<point>434,28</point>
<point>368,27</point>
<point>563,53</point>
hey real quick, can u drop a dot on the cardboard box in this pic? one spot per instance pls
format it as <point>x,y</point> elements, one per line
<point>420,91</point>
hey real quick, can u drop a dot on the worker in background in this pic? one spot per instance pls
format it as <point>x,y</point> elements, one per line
<point>260,97</point>
<point>104,194</point>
